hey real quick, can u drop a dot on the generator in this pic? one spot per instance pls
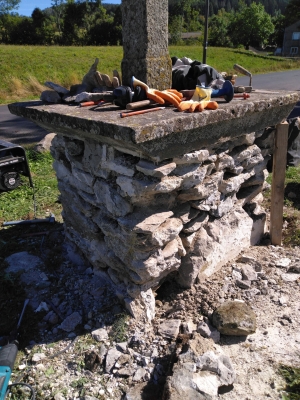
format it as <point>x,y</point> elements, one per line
<point>13,163</point>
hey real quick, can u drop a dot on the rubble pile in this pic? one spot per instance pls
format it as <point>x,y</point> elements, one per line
<point>88,348</point>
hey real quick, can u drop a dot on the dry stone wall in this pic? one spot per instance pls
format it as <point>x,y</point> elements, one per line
<point>137,222</point>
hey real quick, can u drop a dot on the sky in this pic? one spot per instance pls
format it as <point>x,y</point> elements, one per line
<point>27,6</point>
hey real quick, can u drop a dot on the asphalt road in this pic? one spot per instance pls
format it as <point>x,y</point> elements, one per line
<point>21,131</point>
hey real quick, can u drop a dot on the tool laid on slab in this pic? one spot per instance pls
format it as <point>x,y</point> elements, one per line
<point>91,103</point>
<point>244,71</point>
<point>129,114</point>
<point>159,96</point>
<point>139,104</point>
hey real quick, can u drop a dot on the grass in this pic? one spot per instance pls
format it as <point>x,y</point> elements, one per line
<point>25,69</point>
<point>18,204</point>
<point>291,208</point>
<point>291,376</point>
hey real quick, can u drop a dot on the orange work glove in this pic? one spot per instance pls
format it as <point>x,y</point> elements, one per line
<point>170,95</point>
<point>191,105</point>
<point>199,101</point>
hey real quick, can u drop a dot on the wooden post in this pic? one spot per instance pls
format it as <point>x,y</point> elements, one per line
<point>277,192</point>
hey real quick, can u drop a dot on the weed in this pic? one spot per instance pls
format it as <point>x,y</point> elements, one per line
<point>49,371</point>
<point>291,376</point>
<point>120,328</point>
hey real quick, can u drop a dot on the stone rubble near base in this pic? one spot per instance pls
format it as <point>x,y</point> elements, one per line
<point>137,366</point>
<point>136,222</point>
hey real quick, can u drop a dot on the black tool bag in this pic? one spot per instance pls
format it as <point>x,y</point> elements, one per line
<point>188,76</point>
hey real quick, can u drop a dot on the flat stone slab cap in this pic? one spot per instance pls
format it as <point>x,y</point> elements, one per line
<point>166,133</point>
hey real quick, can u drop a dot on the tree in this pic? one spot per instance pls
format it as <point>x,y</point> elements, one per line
<point>251,26</point>
<point>292,12</point>
<point>58,7</point>
<point>279,25</point>
<point>8,5</point>
<point>218,29</point>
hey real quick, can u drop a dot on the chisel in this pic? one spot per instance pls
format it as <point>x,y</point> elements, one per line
<point>129,114</point>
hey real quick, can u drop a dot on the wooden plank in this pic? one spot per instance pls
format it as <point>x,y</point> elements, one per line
<point>278,178</point>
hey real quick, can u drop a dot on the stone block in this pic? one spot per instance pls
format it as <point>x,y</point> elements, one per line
<point>195,157</point>
<point>158,171</point>
<point>111,200</point>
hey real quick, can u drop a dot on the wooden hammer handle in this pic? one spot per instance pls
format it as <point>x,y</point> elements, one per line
<point>139,104</point>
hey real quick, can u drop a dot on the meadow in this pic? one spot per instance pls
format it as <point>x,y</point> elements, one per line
<point>25,69</point>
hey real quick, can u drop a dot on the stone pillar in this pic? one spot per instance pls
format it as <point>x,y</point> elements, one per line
<point>145,43</point>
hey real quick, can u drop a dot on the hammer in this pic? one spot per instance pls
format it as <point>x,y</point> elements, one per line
<point>243,71</point>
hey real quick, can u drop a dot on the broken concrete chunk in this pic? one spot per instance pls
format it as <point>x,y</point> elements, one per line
<point>234,318</point>
<point>249,273</point>
<point>111,358</point>
<point>100,335</point>
<point>208,331</point>
<point>170,328</point>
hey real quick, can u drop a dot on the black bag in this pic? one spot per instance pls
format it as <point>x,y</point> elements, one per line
<point>188,76</point>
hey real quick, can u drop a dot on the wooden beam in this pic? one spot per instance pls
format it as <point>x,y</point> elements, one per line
<point>278,179</point>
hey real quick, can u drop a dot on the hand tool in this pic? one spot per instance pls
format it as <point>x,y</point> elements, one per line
<point>8,355</point>
<point>91,103</point>
<point>50,219</point>
<point>243,71</point>
<point>159,96</point>
<point>239,89</point>
<point>139,104</point>
<point>226,91</point>
<point>241,95</point>
<point>129,114</point>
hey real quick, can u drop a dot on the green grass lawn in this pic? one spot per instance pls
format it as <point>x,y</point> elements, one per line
<point>24,69</point>
<point>18,204</point>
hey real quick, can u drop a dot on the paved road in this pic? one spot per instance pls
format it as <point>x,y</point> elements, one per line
<point>20,131</point>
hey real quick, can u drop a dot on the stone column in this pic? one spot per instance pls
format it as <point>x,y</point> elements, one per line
<point>145,43</point>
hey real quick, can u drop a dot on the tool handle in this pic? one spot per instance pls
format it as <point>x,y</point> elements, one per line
<point>242,70</point>
<point>91,103</point>
<point>139,104</point>
<point>8,355</point>
<point>129,114</point>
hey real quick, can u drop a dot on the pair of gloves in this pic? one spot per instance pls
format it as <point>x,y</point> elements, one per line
<point>199,101</point>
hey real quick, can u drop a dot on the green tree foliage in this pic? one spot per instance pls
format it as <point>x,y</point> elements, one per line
<point>292,12</point>
<point>219,29</point>
<point>8,5</point>
<point>279,24</point>
<point>251,26</point>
